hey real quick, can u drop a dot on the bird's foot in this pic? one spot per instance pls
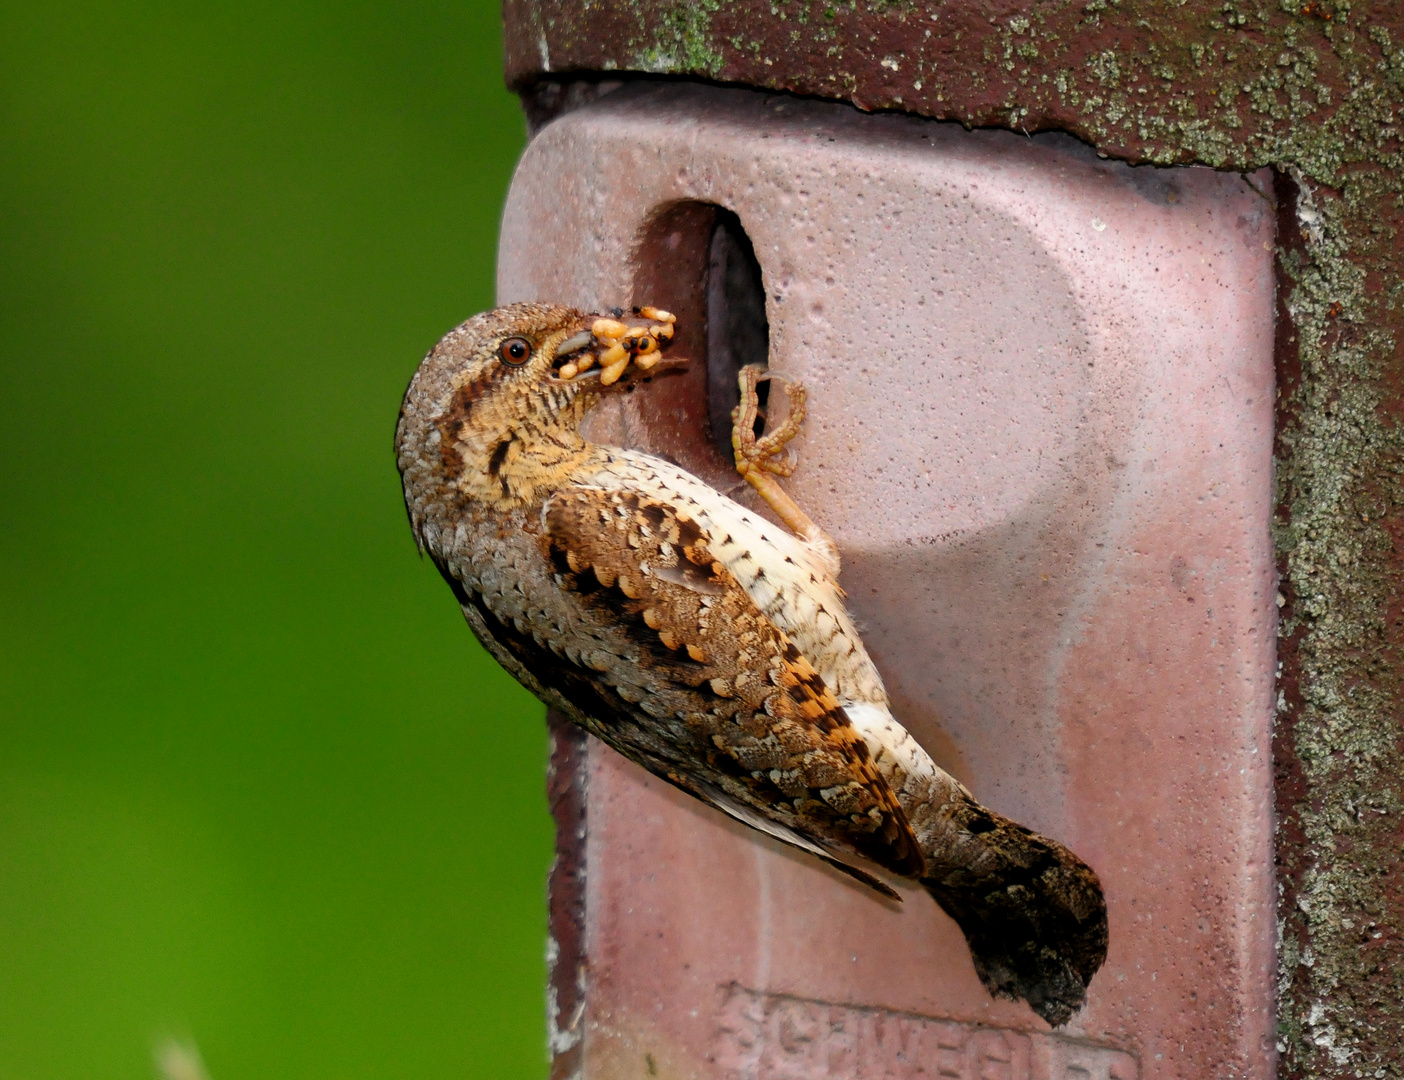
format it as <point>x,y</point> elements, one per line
<point>766,452</point>
<point>758,459</point>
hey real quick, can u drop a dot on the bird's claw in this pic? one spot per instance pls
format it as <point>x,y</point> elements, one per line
<point>769,453</point>
<point>759,458</point>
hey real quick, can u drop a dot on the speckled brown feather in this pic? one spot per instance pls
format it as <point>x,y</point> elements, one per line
<point>1031,911</point>
<point>759,716</point>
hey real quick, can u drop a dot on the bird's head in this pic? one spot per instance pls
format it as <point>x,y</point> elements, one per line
<point>495,407</point>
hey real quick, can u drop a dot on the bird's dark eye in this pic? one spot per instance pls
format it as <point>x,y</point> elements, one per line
<point>515,351</point>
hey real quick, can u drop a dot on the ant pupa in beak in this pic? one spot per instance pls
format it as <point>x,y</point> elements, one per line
<point>608,328</point>
<point>610,375</point>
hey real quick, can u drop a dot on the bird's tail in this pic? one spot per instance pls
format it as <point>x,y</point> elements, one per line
<point>1031,911</point>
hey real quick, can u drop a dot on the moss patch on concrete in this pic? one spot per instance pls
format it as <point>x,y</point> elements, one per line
<point>682,41</point>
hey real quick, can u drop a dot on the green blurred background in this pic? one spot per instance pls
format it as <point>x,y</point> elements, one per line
<point>259,789</point>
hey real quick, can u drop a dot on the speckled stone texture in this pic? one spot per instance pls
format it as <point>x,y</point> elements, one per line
<point>1041,391</point>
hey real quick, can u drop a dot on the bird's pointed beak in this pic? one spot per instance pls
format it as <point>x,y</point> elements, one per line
<point>617,350</point>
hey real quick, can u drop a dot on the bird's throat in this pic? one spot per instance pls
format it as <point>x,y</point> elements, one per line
<point>511,458</point>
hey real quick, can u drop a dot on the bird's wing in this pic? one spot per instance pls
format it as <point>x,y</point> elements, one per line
<point>671,662</point>
<point>748,816</point>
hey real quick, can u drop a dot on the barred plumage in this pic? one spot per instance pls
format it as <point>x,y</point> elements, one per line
<point>703,641</point>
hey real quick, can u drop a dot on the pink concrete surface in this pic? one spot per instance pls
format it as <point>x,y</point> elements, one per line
<point>1041,393</point>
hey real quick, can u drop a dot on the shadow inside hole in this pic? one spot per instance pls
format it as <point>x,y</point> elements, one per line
<point>695,260</point>
<point>738,333</point>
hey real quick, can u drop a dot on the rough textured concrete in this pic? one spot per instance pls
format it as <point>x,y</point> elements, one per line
<point>1041,429</point>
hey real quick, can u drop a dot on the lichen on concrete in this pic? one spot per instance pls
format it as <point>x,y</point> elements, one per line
<point>1339,746</point>
<point>681,40</point>
<point>1315,90</point>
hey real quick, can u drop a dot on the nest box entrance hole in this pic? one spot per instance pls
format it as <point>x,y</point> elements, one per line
<point>696,260</point>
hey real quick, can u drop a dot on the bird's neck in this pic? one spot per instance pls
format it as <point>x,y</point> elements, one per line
<point>513,457</point>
